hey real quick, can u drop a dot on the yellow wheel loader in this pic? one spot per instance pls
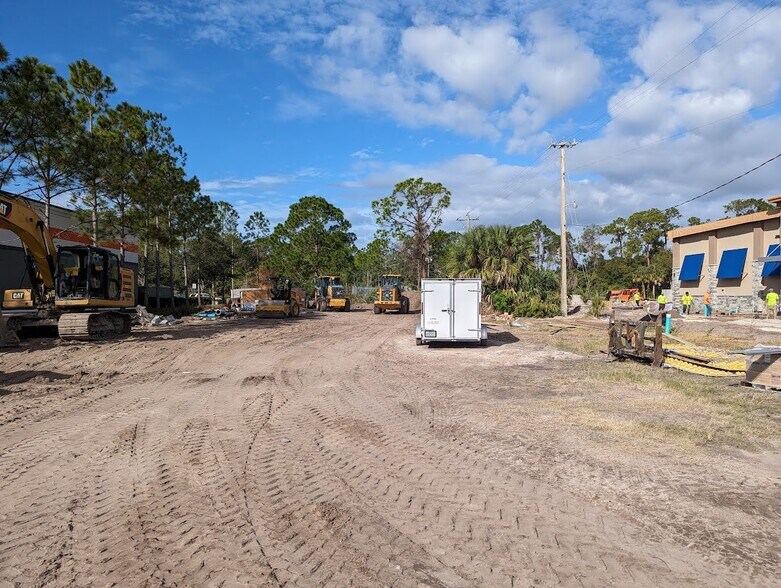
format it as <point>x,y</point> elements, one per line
<point>81,289</point>
<point>282,299</point>
<point>389,296</point>
<point>330,294</point>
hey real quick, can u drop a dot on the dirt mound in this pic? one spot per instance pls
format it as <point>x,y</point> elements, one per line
<point>414,299</point>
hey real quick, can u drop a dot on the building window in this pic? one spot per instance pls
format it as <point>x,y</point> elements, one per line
<point>772,268</point>
<point>691,268</point>
<point>732,262</point>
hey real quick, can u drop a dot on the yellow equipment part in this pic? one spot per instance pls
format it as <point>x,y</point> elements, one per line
<point>337,302</point>
<point>386,305</point>
<point>24,222</point>
<point>699,360</point>
<point>16,299</point>
<point>283,308</point>
<point>701,370</point>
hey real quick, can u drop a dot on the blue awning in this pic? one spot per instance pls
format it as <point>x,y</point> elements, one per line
<point>732,262</point>
<point>772,268</point>
<point>691,268</point>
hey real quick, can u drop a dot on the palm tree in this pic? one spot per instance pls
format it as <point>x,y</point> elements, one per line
<point>499,254</point>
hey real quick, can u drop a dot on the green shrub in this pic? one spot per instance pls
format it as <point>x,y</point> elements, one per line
<point>525,304</point>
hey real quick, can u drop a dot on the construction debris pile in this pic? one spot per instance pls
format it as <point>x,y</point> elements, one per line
<point>215,314</point>
<point>144,317</point>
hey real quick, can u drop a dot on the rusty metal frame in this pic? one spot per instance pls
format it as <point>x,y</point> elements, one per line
<point>630,338</point>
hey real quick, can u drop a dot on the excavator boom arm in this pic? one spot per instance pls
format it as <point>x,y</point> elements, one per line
<point>19,218</point>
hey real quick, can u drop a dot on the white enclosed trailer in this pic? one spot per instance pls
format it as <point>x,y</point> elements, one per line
<point>450,311</point>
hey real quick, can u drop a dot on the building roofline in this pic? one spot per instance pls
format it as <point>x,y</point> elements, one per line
<point>36,201</point>
<point>725,223</point>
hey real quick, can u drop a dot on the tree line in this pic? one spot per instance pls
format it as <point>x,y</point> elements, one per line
<point>61,136</point>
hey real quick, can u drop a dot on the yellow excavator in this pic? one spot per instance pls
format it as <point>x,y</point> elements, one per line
<point>81,289</point>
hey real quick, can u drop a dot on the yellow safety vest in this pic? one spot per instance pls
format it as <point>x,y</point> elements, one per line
<point>686,300</point>
<point>772,299</point>
<point>661,299</point>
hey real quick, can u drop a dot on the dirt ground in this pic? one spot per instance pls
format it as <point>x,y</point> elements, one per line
<point>331,451</point>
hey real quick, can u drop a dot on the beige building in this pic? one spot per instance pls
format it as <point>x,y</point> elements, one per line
<point>727,258</point>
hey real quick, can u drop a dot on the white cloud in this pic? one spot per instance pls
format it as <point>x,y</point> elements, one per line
<point>415,105</point>
<point>559,72</point>
<point>366,153</point>
<point>297,107</point>
<point>483,62</point>
<point>266,181</point>
<point>362,40</point>
<point>243,183</point>
<point>503,71</point>
<point>147,11</point>
<point>470,69</point>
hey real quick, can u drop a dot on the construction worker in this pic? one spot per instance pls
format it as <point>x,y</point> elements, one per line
<point>661,300</point>
<point>686,301</point>
<point>636,298</point>
<point>771,298</point>
<point>706,304</point>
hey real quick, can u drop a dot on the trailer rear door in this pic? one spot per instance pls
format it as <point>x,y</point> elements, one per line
<point>436,296</point>
<point>466,307</point>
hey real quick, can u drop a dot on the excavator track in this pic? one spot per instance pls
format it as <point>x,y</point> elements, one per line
<point>93,326</point>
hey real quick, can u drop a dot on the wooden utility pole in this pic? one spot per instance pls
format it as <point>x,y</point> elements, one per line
<point>561,146</point>
<point>468,220</point>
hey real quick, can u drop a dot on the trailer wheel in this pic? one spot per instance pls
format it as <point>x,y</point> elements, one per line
<point>377,310</point>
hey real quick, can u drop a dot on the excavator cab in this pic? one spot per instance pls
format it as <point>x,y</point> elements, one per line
<point>87,273</point>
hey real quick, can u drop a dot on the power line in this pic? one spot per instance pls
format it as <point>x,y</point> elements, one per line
<point>640,96</point>
<point>678,135</point>
<point>658,69</point>
<point>736,178</point>
<point>468,220</point>
<point>530,172</point>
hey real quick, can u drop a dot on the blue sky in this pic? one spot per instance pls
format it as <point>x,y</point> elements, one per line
<point>275,100</point>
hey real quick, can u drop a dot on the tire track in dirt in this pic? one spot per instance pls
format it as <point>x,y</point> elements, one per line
<point>307,453</point>
<point>398,485</point>
<point>728,538</point>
